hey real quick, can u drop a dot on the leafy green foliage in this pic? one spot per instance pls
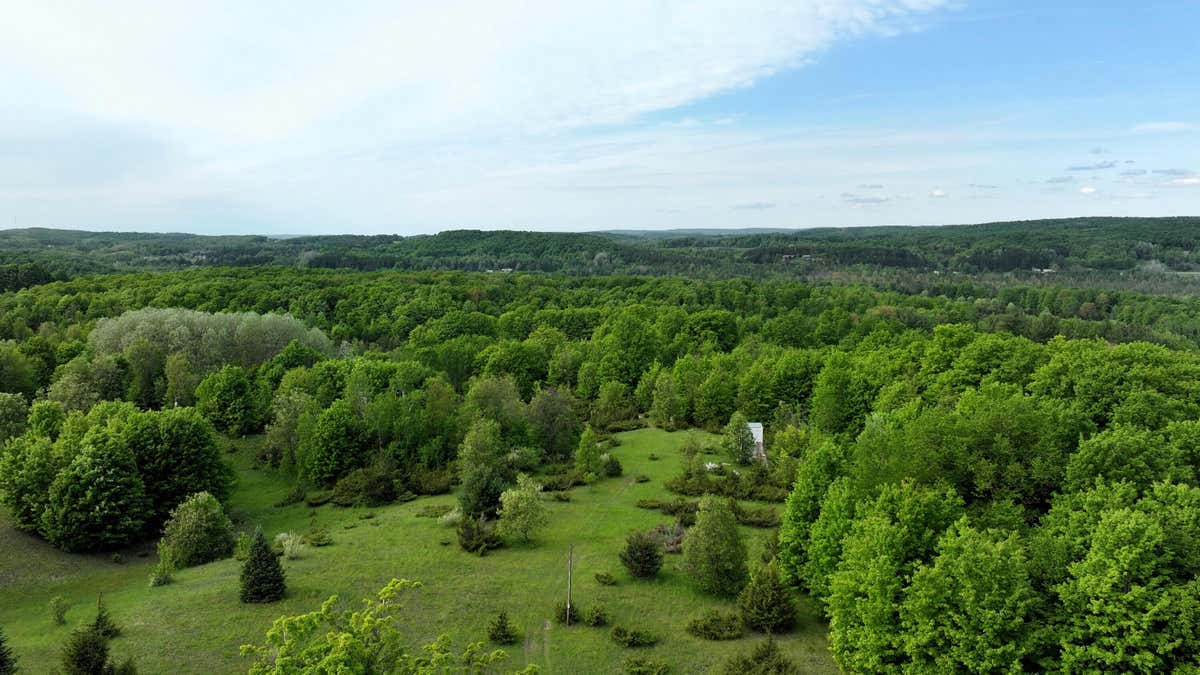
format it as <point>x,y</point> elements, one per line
<point>522,512</point>
<point>98,501</point>
<point>633,637</point>
<point>366,640</point>
<point>230,401</point>
<point>199,531</point>
<point>484,471</point>
<point>714,553</point>
<point>738,442</point>
<point>764,659</point>
<point>716,625</point>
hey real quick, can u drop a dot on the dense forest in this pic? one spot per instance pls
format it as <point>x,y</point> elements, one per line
<point>968,475</point>
<point>1147,245</point>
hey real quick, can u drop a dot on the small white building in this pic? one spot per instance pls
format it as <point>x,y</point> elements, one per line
<point>756,430</point>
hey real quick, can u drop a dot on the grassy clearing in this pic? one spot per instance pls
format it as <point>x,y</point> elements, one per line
<point>197,624</point>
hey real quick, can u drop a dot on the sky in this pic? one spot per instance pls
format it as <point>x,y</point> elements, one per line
<point>303,117</point>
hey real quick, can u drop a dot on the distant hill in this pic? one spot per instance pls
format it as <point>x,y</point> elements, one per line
<point>1036,246</point>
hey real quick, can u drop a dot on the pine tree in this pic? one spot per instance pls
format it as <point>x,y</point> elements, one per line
<point>104,624</point>
<point>262,575</point>
<point>86,653</point>
<point>501,631</point>
<point>8,662</point>
<point>767,604</point>
<point>642,555</point>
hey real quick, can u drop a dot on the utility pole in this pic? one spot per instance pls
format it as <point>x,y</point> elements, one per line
<point>570,565</point>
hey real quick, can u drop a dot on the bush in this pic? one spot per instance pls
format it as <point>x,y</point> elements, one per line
<point>287,545</point>
<point>763,517</point>
<point>612,466</point>
<point>431,481</point>
<point>262,577</point>
<point>434,510</point>
<point>58,610</point>
<point>767,605</point>
<point>596,616</point>
<point>318,536</point>
<point>162,572</point>
<point>716,625</point>
<point>670,537</point>
<point>501,631</point>
<point>199,531</point>
<point>642,555</point>
<point>562,481</point>
<point>641,665</point>
<point>477,536</point>
<point>641,478</point>
<point>451,518</point>
<point>241,549</point>
<point>605,579</point>
<point>371,486</point>
<point>765,659</point>
<point>566,616</point>
<point>561,496</point>
<point>633,638</point>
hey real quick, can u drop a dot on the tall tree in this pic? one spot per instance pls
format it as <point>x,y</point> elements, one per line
<point>713,552</point>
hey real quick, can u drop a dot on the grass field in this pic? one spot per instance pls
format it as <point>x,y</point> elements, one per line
<point>196,624</point>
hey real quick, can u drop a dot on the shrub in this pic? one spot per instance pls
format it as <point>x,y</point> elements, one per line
<point>501,631</point>
<point>262,577</point>
<point>764,659</point>
<point>58,610</point>
<point>371,486</point>
<point>434,510</point>
<point>431,481</point>
<point>563,481</point>
<point>605,579</point>
<point>162,572</point>
<point>642,555</point>
<point>241,549</point>
<point>641,665</point>
<point>565,615</point>
<point>670,537</point>
<point>716,625</point>
<point>763,517</point>
<point>596,616</point>
<point>477,536</point>
<point>652,457</point>
<point>561,496</point>
<point>451,518</point>
<point>85,653</point>
<point>767,605</point>
<point>318,536</point>
<point>287,545</point>
<point>627,637</point>
<point>641,478</point>
<point>199,531</point>
<point>612,466</point>
<point>103,623</point>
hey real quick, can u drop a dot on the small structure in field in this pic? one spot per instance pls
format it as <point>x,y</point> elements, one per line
<point>756,430</point>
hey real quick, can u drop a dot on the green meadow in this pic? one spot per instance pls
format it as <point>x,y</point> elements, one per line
<point>197,624</point>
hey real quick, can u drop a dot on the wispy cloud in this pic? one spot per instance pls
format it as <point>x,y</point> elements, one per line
<point>1133,172</point>
<point>1087,190</point>
<point>1174,172</point>
<point>937,193</point>
<point>861,200</point>
<point>1060,179</point>
<point>1093,167</point>
<point>871,186</point>
<point>1164,127</point>
<point>753,206</point>
<point>1191,181</point>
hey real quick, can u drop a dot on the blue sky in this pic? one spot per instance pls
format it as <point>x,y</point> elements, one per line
<point>303,117</point>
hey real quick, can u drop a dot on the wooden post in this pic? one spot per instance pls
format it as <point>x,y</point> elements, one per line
<point>570,565</point>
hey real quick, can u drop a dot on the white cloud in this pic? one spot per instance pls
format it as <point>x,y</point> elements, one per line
<point>270,71</point>
<point>937,193</point>
<point>1185,182</point>
<point>1087,190</point>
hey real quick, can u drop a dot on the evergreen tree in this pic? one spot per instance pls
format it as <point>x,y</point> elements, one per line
<point>8,662</point>
<point>767,605</point>
<point>86,653</point>
<point>104,624</point>
<point>501,630</point>
<point>588,456</point>
<point>714,552</point>
<point>642,555</point>
<point>262,575</point>
<point>738,442</point>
